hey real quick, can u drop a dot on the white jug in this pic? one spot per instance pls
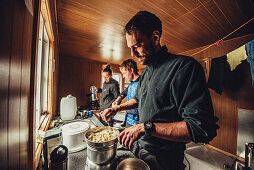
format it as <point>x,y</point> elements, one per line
<point>68,108</point>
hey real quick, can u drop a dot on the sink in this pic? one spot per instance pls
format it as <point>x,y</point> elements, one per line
<point>200,157</point>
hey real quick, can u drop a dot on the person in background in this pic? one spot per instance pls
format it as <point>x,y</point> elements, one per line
<point>172,98</point>
<point>129,71</point>
<point>110,89</point>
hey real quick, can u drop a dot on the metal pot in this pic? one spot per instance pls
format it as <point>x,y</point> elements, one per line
<point>132,164</point>
<point>101,152</point>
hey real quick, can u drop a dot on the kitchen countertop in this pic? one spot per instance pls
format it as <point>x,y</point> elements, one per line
<point>77,160</point>
<point>199,156</point>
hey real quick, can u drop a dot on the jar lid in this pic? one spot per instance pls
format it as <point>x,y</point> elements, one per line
<point>59,154</point>
<point>75,127</point>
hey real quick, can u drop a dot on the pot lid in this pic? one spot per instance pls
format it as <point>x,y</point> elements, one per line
<point>75,127</point>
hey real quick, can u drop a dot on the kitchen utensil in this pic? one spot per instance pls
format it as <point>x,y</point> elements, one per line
<point>68,108</point>
<point>101,152</point>
<point>132,164</point>
<point>94,94</point>
<point>74,135</point>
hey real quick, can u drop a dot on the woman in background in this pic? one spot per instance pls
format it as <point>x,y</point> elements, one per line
<point>110,89</point>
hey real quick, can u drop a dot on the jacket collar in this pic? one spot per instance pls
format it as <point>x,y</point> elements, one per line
<point>158,57</point>
<point>137,79</point>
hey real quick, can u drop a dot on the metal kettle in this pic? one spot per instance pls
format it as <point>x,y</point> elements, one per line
<point>249,153</point>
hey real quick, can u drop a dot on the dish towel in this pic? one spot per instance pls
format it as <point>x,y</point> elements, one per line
<point>236,57</point>
<point>215,80</point>
<point>250,59</point>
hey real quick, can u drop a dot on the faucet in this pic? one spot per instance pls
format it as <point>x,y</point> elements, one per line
<point>249,153</point>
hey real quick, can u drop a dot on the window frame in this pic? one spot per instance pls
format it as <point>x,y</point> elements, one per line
<point>44,10</point>
<point>42,73</point>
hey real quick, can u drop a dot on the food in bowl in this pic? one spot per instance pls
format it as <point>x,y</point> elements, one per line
<point>103,135</point>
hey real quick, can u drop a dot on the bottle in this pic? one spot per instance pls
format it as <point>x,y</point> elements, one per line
<point>59,158</point>
<point>94,94</point>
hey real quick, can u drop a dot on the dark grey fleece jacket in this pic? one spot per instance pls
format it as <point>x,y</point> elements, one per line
<point>109,92</point>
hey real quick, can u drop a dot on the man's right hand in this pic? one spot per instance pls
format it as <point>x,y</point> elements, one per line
<point>110,112</point>
<point>116,102</point>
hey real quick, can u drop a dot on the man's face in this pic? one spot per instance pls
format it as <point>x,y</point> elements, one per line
<point>141,47</point>
<point>106,76</point>
<point>127,74</point>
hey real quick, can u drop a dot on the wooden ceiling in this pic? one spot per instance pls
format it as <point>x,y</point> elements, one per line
<point>93,29</point>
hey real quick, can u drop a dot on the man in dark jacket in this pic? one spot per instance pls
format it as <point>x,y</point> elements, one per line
<point>173,100</point>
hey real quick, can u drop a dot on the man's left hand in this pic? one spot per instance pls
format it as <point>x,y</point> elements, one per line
<point>131,134</point>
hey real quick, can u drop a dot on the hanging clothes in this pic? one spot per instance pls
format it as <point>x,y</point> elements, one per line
<point>250,59</point>
<point>215,80</point>
<point>236,57</point>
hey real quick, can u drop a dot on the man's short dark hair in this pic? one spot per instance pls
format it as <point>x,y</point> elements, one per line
<point>145,22</point>
<point>130,64</point>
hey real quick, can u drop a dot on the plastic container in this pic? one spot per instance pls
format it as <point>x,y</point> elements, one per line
<point>68,108</point>
<point>74,135</point>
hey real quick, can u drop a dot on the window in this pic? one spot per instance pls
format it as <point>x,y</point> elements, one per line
<point>44,69</point>
<point>41,73</point>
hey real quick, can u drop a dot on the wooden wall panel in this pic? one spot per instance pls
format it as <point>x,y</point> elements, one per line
<point>14,86</point>
<point>17,67</point>
<point>237,92</point>
<point>16,72</point>
<point>6,9</point>
<point>217,51</point>
<point>25,92</point>
<point>77,75</point>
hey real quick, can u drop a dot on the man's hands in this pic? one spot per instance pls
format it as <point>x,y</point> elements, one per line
<point>131,134</point>
<point>118,100</point>
<point>110,112</point>
<point>128,135</point>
